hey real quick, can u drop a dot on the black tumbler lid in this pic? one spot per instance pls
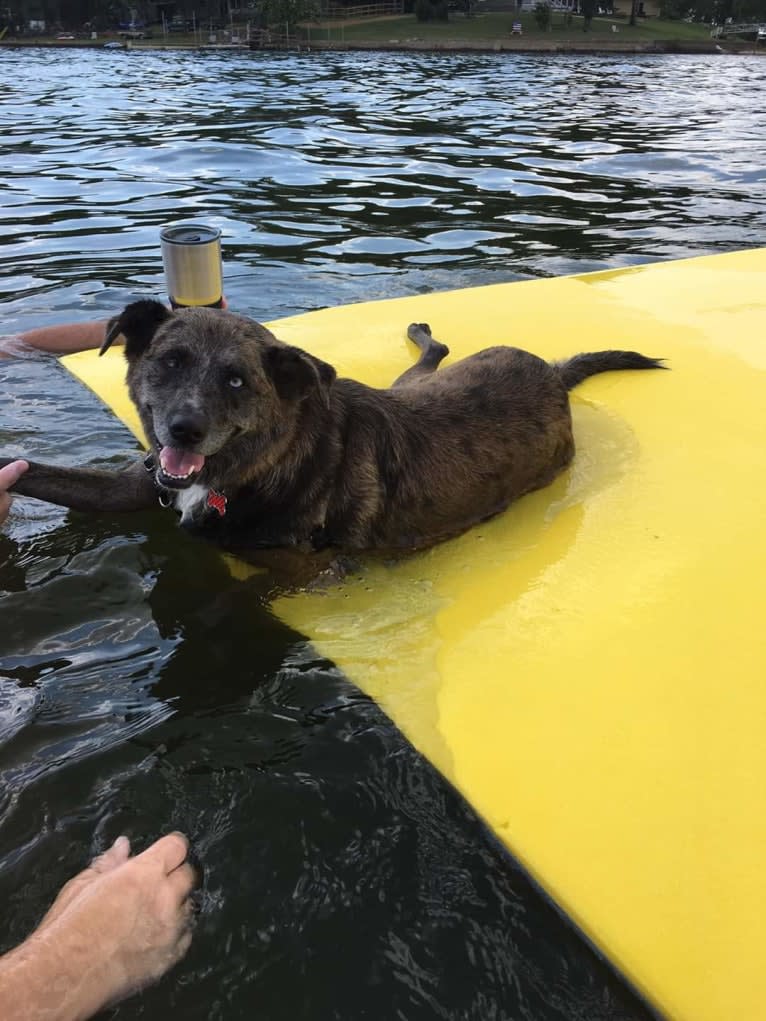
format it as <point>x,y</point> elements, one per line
<point>190,234</point>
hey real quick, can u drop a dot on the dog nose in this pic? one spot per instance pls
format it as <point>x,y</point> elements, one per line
<point>187,427</point>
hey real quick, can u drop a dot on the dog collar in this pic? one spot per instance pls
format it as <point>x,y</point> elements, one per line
<point>215,499</point>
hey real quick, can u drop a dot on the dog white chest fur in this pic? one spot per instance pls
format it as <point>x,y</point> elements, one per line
<point>191,503</point>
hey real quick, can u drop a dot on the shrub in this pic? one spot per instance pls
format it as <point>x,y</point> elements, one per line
<point>543,16</point>
<point>431,10</point>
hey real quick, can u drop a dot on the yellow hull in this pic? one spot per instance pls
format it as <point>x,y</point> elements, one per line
<point>589,668</point>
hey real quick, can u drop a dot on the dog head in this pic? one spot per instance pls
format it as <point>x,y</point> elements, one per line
<point>207,383</point>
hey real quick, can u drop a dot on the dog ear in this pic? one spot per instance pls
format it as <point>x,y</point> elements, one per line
<point>295,373</point>
<point>137,323</point>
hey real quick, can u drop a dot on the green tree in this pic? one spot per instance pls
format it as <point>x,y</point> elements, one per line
<point>543,16</point>
<point>289,13</point>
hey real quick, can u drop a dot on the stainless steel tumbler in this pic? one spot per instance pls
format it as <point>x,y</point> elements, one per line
<point>191,255</point>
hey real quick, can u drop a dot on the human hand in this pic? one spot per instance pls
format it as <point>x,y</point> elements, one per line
<point>118,925</point>
<point>9,476</point>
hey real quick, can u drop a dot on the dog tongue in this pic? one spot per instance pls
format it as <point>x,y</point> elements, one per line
<point>180,462</point>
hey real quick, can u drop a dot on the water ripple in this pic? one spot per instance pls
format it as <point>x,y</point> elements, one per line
<point>387,155</point>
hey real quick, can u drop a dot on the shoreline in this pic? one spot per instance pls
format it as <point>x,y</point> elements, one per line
<point>670,46</point>
<point>505,46</point>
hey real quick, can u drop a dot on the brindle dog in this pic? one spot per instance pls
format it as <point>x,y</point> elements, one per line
<point>256,443</point>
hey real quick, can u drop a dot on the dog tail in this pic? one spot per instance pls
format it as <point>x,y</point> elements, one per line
<point>578,368</point>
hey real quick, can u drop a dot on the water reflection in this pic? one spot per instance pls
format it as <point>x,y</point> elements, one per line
<point>344,177</point>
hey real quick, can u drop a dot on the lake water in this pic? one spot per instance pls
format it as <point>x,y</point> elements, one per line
<point>141,689</point>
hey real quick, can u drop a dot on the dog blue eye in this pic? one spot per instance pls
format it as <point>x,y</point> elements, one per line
<point>235,382</point>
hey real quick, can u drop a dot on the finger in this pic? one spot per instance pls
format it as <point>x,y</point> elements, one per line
<point>116,855</point>
<point>169,852</point>
<point>11,474</point>
<point>181,882</point>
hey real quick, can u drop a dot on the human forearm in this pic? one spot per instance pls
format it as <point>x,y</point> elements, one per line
<point>67,337</point>
<point>114,928</point>
<point>40,983</point>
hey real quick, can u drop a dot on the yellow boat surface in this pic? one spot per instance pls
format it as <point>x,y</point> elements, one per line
<point>589,668</point>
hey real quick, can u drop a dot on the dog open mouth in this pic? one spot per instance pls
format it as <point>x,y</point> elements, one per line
<point>178,468</point>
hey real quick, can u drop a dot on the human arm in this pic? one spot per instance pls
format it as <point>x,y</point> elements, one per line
<point>67,337</point>
<point>117,926</point>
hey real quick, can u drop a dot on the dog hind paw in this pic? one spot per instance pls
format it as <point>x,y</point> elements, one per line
<point>418,328</point>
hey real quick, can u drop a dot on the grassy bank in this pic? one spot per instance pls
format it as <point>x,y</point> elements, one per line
<point>491,31</point>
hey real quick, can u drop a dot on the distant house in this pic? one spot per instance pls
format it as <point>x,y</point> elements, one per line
<point>572,6</point>
<point>568,6</point>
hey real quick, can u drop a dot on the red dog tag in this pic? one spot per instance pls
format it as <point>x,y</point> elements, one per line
<point>217,501</point>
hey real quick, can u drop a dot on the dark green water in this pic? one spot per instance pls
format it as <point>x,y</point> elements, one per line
<point>141,689</point>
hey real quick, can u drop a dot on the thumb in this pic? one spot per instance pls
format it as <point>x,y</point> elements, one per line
<point>11,473</point>
<point>169,852</point>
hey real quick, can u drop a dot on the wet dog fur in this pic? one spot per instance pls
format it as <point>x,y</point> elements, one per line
<point>256,443</point>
